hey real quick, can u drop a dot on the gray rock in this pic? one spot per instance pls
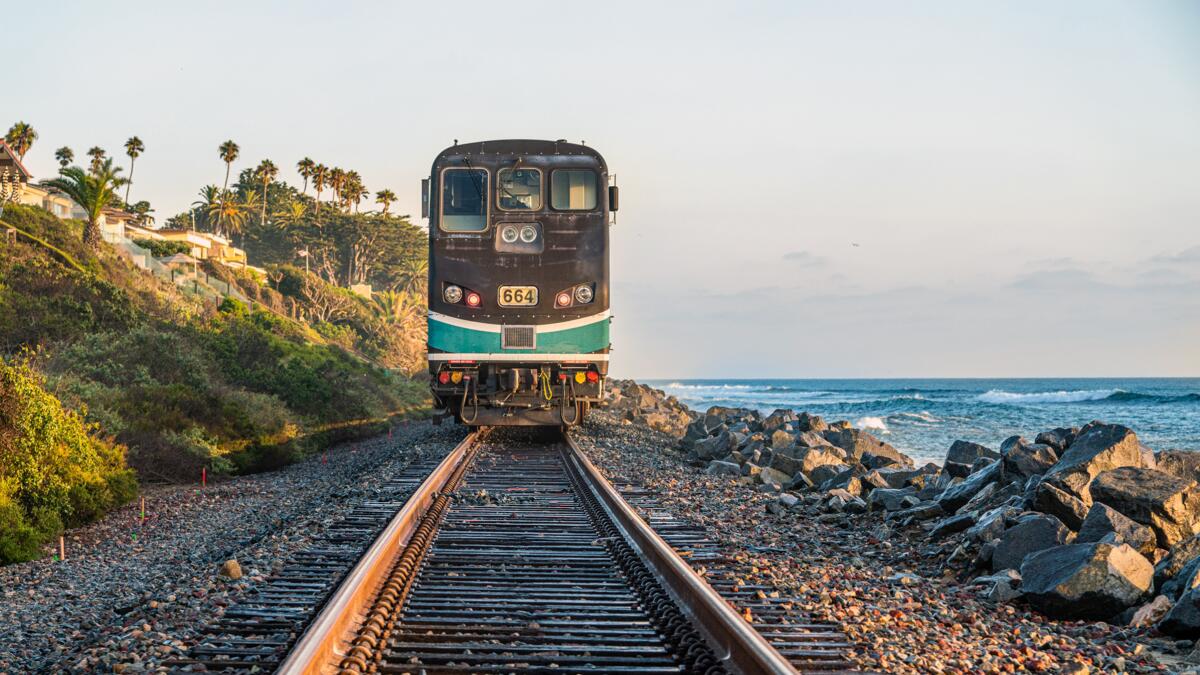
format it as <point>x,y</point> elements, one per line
<point>927,510</point>
<point>956,469</point>
<point>830,472</point>
<point>788,500</point>
<point>1179,463</point>
<point>1033,532</point>
<point>966,452</point>
<point>952,525</point>
<point>812,439</point>
<point>1004,591</point>
<point>1169,505</point>
<point>847,479</point>
<point>1187,579</point>
<point>1086,581</point>
<point>1099,447</point>
<point>799,482</point>
<point>991,524</point>
<point>897,478</point>
<point>1151,613</point>
<point>891,499</point>
<point>1058,438</point>
<point>981,498</point>
<point>715,446</point>
<point>720,468</point>
<point>1104,521</point>
<point>1180,556</point>
<point>806,422</point>
<point>1183,621</point>
<point>865,448</point>
<point>1066,507</point>
<point>773,477</point>
<point>1024,459</point>
<point>953,497</point>
<point>782,438</point>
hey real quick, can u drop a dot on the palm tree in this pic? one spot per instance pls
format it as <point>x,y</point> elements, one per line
<point>20,138</point>
<point>65,156</point>
<point>320,176</point>
<point>395,307</point>
<point>142,210</point>
<point>209,205</point>
<point>305,167</point>
<point>414,274</point>
<point>92,192</point>
<point>266,172</point>
<point>291,215</point>
<point>229,152</point>
<point>97,154</point>
<point>358,192</point>
<point>337,181</point>
<point>385,197</point>
<point>133,148</point>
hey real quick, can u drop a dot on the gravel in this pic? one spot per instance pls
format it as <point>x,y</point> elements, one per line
<point>883,587</point>
<point>131,595</point>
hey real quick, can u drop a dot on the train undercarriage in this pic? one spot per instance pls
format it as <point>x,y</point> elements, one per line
<point>488,394</point>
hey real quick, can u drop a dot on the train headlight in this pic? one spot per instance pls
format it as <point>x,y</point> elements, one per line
<point>509,234</point>
<point>528,234</point>
<point>473,299</point>
<point>583,294</point>
<point>452,294</point>
<point>562,299</point>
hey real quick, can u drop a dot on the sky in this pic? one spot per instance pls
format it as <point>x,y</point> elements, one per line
<point>834,189</point>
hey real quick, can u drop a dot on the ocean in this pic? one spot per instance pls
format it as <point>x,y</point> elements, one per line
<point>923,417</point>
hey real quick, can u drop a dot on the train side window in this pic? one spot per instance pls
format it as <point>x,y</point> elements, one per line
<point>573,189</point>
<point>519,189</point>
<point>464,200</point>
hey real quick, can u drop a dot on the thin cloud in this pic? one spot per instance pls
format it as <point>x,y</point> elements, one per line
<point>805,258</point>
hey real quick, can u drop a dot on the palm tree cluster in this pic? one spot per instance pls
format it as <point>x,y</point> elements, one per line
<point>347,186</point>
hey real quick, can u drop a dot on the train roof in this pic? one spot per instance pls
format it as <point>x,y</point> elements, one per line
<point>519,147</point>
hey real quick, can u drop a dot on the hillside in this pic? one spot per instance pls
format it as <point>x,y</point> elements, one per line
<point>169,383</point>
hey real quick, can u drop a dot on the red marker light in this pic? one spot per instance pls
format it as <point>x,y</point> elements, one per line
<point>562,377</point>
<point>473,299</point>
<point>563,299</point>
<point>444,377</point>
<point>593,376</point>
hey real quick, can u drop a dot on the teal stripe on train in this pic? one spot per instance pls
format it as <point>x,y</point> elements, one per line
<point>580,340</point>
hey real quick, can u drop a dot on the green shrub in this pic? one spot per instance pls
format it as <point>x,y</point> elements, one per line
<point>163,249</point>
<point>51,469</point>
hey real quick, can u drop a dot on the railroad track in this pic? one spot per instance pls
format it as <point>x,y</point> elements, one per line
<point>518,557</point>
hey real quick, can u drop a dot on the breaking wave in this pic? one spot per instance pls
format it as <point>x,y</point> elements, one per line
<point>876,423</point>
<point>1001,396</point>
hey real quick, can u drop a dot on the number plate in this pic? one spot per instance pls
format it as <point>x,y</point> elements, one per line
<point>518,296</point>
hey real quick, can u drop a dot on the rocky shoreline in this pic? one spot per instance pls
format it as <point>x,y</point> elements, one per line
<point>1083,532</point>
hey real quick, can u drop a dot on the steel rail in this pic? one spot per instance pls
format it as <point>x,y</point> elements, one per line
<point>316,650</point>
<point>740,648</point>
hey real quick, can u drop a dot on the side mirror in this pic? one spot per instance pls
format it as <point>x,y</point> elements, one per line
<point>614,197</point>
<point>424,197</point>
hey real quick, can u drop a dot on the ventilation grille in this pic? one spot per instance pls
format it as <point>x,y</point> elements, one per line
<point>518,337</point>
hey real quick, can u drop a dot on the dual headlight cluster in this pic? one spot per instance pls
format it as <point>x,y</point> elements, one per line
<point>454,295</point>
<point>579,295</point>
<point>509,234</point>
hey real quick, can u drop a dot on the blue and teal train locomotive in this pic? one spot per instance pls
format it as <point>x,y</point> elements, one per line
<point>518,281</point>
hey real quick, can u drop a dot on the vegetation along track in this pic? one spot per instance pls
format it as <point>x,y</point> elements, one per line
<point>515,555</point>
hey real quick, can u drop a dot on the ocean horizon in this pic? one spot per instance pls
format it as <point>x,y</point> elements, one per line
<point>922,417</point>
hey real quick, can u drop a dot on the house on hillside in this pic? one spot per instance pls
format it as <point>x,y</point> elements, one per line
<point>31,193</point>
<point>204,245</point>
<point>114,223</point>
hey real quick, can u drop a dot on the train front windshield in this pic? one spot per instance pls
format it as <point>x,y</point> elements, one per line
<point>464,200</point>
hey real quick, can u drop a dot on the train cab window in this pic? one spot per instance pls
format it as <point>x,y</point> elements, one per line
<point>464,200</point>
<point>573,190</point>
<point>519,189</point>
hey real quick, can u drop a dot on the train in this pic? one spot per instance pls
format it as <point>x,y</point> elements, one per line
<point>519,318</point>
